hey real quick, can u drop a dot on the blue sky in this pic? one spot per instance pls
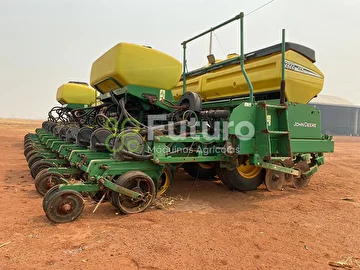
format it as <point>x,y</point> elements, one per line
<point>45,43</point>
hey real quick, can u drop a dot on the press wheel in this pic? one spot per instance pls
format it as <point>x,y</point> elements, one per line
<point>28,135</point>
<point>48,195</point>
<point>34,158</point>
<point>28,141</point>
<point>27,149</point>
<point>31,153</point>
<point>302,181</point>
<point>39,166</point>
<point>274,180</point>
<point>45,181</point>
<point>64,206</point>
<point>139,182</point>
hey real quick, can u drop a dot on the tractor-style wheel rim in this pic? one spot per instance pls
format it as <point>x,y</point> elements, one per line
<point>248,171</point>
<point>164,182</point>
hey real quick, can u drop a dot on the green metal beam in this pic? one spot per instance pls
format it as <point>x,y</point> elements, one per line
<point>237,17</point>
<point>120,189</point>
<point>242,59</point>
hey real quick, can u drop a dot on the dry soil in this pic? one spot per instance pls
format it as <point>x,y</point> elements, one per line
<point>198,225</point>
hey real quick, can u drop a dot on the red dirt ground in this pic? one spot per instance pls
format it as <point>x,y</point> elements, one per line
<point>203,225</point>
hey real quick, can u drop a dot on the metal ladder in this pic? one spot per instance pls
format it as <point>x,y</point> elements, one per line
<point>273,137</point>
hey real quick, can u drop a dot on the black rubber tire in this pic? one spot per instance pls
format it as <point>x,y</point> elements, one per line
<point>30,144</point>
<point>48,195</point>
<point>28,141</point>
<point>55,211</point>
<point>124,203</point>
<point>42,180</point>
<point>198,172</point>
<point>234,180</point>
<point>222,176</point>
<point>34,158</point>
<point>28,136</point>
<point>27,149</point>
<point>39,166</point>
<point>31,153</point>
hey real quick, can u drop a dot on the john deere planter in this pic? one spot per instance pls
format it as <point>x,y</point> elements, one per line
<point>244,119</point>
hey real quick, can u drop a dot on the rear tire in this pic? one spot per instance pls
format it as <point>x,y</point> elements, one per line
<point>244,178</point>
<point>165,180</point>
<point>203,171</point>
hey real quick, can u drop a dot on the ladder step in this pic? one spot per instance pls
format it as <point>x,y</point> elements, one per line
<point>282,107</point>
<point>279,132</point>
<point>280,158</point>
